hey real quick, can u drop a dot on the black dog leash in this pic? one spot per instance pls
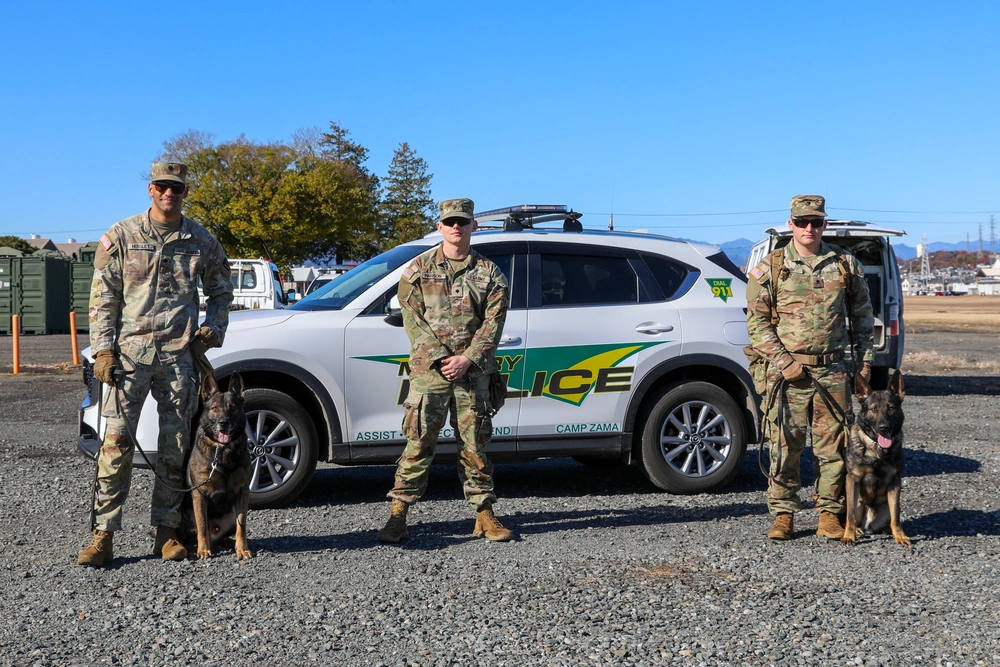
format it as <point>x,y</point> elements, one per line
<point>779,391</point>
<point>119,375</point>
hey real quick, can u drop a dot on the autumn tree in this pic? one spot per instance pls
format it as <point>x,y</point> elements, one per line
<point>407,209</point>
<point>310,200</point>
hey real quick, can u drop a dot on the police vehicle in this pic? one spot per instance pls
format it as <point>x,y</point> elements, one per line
<point>618,346</point>
<point>871,245</point>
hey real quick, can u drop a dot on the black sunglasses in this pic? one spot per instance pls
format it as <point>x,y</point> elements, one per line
<point>451,222</point>
<point>802,224</point>
<point>162,186</point>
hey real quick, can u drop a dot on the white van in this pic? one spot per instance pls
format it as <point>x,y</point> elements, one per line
<point>256,285</point>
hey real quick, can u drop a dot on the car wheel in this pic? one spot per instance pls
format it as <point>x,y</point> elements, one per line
<point>693,440</point>
<point>880,378</point>
<point>283,447</point>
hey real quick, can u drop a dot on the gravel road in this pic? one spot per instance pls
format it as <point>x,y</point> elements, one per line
<point>607,571</point>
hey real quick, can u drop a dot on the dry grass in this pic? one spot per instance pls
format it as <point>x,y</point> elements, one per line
<point>947,363</point>
<point>951,313</point>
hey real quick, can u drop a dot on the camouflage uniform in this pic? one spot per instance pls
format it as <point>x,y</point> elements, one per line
<point>144,307</point>
<point>450,310</point>
<point>811,306</point>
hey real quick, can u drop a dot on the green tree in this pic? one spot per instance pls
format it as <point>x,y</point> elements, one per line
<point>17,243</point>
<point>407,209</point>
<point>309,200</point>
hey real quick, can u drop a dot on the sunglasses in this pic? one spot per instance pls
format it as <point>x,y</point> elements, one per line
<point>802,224</point>
<point>163,186</point>
<point>451,222</point>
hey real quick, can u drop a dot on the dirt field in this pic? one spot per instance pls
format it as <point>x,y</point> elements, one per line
<point>951,313</point>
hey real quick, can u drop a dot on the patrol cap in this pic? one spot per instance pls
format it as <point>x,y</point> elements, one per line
<point>168,171</point>
<point>808,206</point>
<point>456,208</point>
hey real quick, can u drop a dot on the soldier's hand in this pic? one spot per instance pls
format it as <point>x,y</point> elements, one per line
<point>794,371</point>
<point>105,366</point>
<point>205,339</point>
<point>866,371</point>
<point>454,368</point>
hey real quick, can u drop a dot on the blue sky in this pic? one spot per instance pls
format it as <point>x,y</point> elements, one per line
<point>697,120</point>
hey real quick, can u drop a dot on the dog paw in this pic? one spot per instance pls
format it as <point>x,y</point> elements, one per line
<point>902,539</point>
<point>204,554</point>
<point>243,554</point>
<point>847,540</point>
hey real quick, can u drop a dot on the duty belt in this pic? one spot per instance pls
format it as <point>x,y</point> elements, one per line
<point>817,359</point>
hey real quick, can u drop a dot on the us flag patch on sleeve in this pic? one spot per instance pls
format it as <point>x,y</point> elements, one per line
<point>756,273</point>
<point>105,241</point>
<point>407,273</point>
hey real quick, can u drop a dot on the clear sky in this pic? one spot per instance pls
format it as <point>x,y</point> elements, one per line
<point>694,119</point>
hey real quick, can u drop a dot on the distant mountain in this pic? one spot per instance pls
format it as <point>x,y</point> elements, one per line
<point>904,251</point>
<point>738,251</point>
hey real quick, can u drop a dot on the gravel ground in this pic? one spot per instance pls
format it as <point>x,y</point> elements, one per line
<point>607,570</point>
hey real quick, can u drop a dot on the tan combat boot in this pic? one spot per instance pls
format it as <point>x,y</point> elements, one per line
<point>395,528</point>
<point>782,528</point>
<point>167,546</point>
<point>829,526</point>
<point>99,553</point>
<point>488,525</point>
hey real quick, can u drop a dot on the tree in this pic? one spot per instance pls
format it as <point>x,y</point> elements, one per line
<point>310,200</point>
<point>407,209</point>
<point>17,243</point>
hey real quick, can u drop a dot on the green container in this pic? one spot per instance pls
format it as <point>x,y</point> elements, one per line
<point>83,276</point>
<point>6,292</point>
<point>87,252</point>
<point>42,288</point>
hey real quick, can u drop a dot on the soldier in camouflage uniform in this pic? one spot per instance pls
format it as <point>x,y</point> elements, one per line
<point>454,304</point>
<point>143,332</point>
<point>797,344</point>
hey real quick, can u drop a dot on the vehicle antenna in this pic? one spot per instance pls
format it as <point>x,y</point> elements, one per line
<point>614,179</point>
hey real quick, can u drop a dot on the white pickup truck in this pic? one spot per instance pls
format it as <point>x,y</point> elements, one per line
<point>256,285</point>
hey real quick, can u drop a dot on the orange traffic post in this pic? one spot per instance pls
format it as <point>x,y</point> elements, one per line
<point>72,333</point>
<point>15,325</point>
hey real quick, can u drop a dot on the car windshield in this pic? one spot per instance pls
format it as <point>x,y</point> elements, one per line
<point>347,287</point>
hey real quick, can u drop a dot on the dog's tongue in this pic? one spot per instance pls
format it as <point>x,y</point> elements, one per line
<point>224,438</point>
<point>884,442</point>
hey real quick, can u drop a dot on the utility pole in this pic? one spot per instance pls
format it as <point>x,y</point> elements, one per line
<point>993,235</point>
<point>979,253</point>
<point>925,262</point>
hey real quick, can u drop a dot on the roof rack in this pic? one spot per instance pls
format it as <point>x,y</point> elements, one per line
<point>517,218</point>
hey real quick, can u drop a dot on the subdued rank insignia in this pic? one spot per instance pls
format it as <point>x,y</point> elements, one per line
<point>142,246</point>
<point>817,283</point>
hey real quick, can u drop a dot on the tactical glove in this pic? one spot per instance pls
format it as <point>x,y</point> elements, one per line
<point>105,366</point>
<point>205,339</point>
<point>794,371</point>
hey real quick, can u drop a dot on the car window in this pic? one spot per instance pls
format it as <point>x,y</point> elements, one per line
<point>574,280</point>
<point>668,274</point>
<point>346,287</point>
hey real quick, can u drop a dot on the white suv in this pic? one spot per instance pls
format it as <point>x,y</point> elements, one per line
<point>616,345</point>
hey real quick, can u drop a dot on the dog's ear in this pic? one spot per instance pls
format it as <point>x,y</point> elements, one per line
<point>896,384</point>
<point>861,386</point>
<point>236,385</point>
<point>209,387</point>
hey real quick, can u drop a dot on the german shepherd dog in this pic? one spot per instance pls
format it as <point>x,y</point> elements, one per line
<point>218,470</point>
<point>875,461</point>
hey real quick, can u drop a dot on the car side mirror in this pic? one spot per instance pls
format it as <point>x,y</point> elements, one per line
<point>394,313</point>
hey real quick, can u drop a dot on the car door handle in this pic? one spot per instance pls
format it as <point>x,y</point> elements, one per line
<point>507,341</point>
<point>654,328</point>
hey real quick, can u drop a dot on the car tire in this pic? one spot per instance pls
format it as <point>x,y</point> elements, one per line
<point>679,457</point>
<point>880,378</point>
<point>283,447</point>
